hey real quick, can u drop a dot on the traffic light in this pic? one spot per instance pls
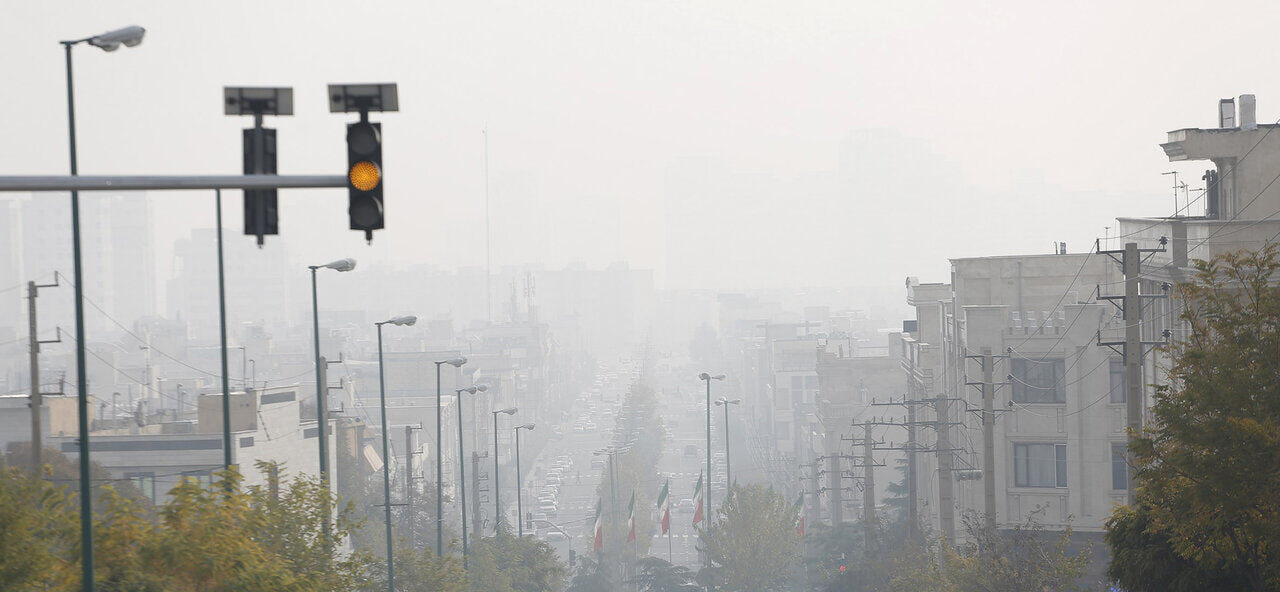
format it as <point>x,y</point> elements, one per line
<point>364,150</point>
<point>364,177</point>
<point>261,216</point>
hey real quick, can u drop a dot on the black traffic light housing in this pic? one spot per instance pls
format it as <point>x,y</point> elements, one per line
<point>364,176</point>
<point>261,214</point>
<point>365,203</point>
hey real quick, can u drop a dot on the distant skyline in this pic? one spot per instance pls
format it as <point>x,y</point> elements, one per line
<point>1006,112</point>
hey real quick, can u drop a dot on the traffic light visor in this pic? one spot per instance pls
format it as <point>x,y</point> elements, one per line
<point>363,138</point>
<point>364,175</point>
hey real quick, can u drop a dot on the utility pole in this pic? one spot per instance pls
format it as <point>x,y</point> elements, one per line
<point>988,415</point>
<point>1133,347</point>
<point>37,398</point>
<point>868,486</point>
<point>408,480</point>
<point>988,440</point>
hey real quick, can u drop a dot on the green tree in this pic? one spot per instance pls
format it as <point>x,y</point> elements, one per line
<point>1012,560</point>
<point>658,575</point>
<point>753,539</point>
<point>418,570</point>
<point>38,534</point>
<point>590,577</point>
<point>1208,467</point>
<point>507,562</point>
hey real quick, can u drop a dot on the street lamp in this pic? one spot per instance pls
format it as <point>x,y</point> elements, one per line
<point>728,471</point>
<point>109,41</point>
<point>462,466</point>
<point>244,366</point>
<point>456,363</point>
<point>386,459</point>
<point>708,378</point>
<point>519,482</point>
<point>322,419</point>
<point>497,505</point>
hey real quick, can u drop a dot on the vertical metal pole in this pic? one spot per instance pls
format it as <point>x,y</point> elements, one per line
<point>222,325</point>
<point>497,505</point>
<point>408,481</point>
<point>913,510</point>
<point>519,487</point>
<point>462,481</point>
<point>37,400</point>
<point>728,466</point>
<point>82,379</point>
<point>439,470</point>
<point>708,492</point>
<point>488,259</point>
<point>1132,352</point>
<point>946,503</point>
<point>322,419</point>
<point>988,439</point>
<point>386,465</point>
<point>868,486</point>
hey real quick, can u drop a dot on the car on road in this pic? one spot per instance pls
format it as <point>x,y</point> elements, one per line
<point>685,505</point>
<point>597,464</point>
<point>555,536</point>
<point>539,517</point>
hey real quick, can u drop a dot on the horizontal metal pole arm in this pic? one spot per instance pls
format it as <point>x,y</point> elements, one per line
<point>162,182</point>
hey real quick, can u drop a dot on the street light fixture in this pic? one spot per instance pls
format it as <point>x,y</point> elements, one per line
<point>109,41</point>
<point>497,490</point>
<point>462,466</point>
<point>456,363</point>
<point>728,470</point>
<point>386,459</point>
<point>322,415</point>
<point>707,495</point>
<point>519,482</point>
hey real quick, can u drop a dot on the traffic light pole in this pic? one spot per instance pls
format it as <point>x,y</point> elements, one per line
<point>39,183</point>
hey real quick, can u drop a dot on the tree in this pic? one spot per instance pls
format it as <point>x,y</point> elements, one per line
<point>507,562</point>
<point>1208,467</point>
<point>658,575</point>
<point>1012,560</point>
<point>38,532</point>
<point>418,571</point>
<point>590,577</point>
<point>754,540</point>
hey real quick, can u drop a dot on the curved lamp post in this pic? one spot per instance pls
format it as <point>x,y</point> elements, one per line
<point>322,415</point>
<point>497,490</point>
<point>457,363</point>
<point>519,482</point>
<point>129,36</point>
<point>708,378</point>
<point>386,459</point>
<point>462,467</point>
<point>728,470</point>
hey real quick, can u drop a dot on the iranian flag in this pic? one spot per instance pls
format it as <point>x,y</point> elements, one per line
<point>800,515</point>
<point>664,507</point>
<point>697,501</point>
<point>631,519</point>
<point>599,528</point>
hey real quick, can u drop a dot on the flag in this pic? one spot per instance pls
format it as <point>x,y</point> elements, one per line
<point>800,515</point>
<point>664,507</point>
<point>697,501</point>
<point>631,519</point>
<point>599,528</point>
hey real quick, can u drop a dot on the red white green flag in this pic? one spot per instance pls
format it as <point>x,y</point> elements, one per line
<point>800,515</point>
<point>664,506</point>
<point>697,501</point>
<point>599,528</point>
<point>631,519</point>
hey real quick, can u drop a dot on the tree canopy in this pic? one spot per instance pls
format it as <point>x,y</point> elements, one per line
<point>1208,466</point>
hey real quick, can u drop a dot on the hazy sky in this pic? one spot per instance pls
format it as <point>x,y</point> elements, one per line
<point>1022,123</point>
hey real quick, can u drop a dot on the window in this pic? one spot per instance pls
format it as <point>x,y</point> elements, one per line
<point>1119,467</point>
<point>781,430</point>
<point>203,478</point>
<point>1038,381</point>
<point>797,383</point>
<point>1117,380</point>
<point>1040,465</point>
<point>145,482</point>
